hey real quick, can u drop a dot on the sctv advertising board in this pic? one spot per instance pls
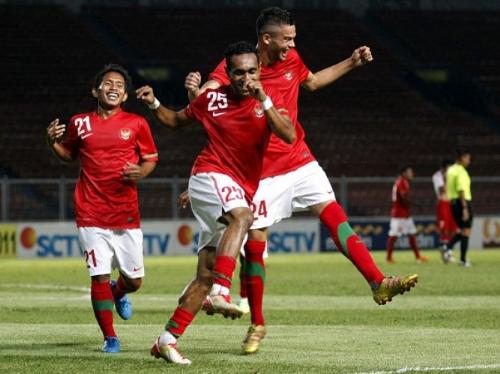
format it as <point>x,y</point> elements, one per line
<point>60,239</point>
<point>374,232</point>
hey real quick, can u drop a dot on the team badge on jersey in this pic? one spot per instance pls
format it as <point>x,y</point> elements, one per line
<point>125,134</point>
<point>288,75</point>
<point>259,111</point>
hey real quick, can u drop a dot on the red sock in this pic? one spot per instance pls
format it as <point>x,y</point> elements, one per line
<point>413,245</point>
<point>179,321</point>
<point>243,284</point>
<point>255,276</point>
<point>121,288</point>
<point>102,303</point>
<point>223,270</point>
<point>390,246</point>
<point>351,245</point>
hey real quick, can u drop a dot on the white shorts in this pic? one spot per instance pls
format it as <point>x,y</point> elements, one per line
<point>278,197</point>
<point>402,226</point>
<point>106,249</point>
<point>212,195</point>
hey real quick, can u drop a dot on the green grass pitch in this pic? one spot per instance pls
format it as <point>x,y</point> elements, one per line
<point>320,315</point>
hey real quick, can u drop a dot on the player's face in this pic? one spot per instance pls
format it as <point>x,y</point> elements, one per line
<point>409,174</point>
<point>111,93</point>
<point>281,42</point>
<point>466,160</point>
<point>244,68</point>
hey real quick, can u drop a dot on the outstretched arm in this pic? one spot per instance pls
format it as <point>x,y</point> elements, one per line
<point>55,131</point>
<point>280,124</point>
<point>167,117</point>
<point>192,85</point>
<point>322,78</point>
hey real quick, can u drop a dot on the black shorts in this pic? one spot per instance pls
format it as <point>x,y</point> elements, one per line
<point>457,212</point>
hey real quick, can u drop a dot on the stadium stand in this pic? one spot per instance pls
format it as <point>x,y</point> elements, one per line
<point>367,124</point>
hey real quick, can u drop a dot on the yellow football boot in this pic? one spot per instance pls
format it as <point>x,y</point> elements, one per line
<point>392,286</point>
<point>254,336</point>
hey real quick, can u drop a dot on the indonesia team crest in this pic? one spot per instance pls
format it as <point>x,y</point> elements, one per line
<point>259,111</point>
<point>125,134</point>
<point>288,76</point>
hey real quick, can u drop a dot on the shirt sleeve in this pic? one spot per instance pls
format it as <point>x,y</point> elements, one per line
<point>462,182</point>
<point>302,69</point>
<point>219,74</point>
<point>196,108</point>
<point>438,180</point>
<point>145,142</point>
<point>72,141</point>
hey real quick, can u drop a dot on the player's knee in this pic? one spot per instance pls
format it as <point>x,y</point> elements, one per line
<point>105,278</point>
<point>134,284</point>
<point>245,219</point>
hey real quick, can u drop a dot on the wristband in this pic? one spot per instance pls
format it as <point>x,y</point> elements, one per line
<point>267,104</point>
<point>154,105</point>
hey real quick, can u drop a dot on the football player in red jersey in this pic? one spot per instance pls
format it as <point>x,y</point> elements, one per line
<point>444,220</point>
<point>292,180</point>
<point>401,220</point>
<point>239,119</point>
<point>115,149</point>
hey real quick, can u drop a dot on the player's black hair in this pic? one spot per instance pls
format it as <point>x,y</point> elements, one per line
<point>273,16</point>
<point>404,168</point>
<point>445,162</point>
<point>117,69</point>
<point>461,152</point>
<point>239,48</point>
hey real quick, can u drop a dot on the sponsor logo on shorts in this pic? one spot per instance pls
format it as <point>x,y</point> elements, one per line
<point>137,268</point>
<point>125,133</point>
<point>217,114</point>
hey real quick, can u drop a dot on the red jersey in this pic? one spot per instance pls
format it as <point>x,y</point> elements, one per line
<point>401,198</point>
<point>237,132</point>
<point>286,76</point>
<point>102,197</point>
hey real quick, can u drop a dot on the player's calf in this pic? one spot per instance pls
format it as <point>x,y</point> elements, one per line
<point>123,305</point>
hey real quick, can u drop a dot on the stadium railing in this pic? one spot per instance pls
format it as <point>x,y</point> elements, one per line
<point>52,199</point>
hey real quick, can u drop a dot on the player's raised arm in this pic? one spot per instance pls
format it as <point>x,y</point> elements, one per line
<point>322,78</point>
<point>192,85</point>
<point>55,131</point>
<point>167,117</point>
<point>280,124</point>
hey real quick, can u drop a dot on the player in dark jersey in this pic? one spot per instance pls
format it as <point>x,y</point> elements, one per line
<point>115,149</point>
<point>238,120</point>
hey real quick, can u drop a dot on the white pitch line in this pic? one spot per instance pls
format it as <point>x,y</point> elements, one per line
<point>45,287</point>
<point>424,369</point>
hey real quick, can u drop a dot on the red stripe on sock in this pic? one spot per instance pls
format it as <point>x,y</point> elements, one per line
<point>223,270</point>
<point>254,251</point>
<point>179,321</point>
<point>101,291</point>
<point>332,216</point>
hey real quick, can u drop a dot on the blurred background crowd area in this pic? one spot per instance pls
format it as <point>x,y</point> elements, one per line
<point>433,87</point>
